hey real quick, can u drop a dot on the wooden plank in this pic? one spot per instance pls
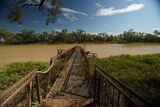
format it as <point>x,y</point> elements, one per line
<point>69,73</point>
<point>66,102</point>
<point>57,86</point>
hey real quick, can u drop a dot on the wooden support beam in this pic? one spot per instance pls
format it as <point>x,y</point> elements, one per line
<point>30,94</point>
<point>37,87</point>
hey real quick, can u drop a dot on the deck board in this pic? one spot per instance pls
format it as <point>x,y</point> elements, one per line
<point>69,85</point>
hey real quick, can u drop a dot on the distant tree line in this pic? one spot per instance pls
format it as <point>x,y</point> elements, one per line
<point>78,36</point>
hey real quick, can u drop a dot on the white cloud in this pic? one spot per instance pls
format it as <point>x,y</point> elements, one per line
<point>93,33</point>
<point>36,21</point>
<point>111,11</point>
<point>98,4</point>
<point>58,30</point>
<point>61,21</point>
<point>33,1</point>
<point>39,21</point>
<point>110,33</point>
<point>128,0</point>
<point>70,14</point>
<point>157,28</point>
<point>67,10</point>
<point>19,26</point>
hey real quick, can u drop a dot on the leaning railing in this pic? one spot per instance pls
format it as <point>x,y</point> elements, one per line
<point>86,68</point>
<point>92,55</point>
<point>110,92</point>
<point>34,86</point>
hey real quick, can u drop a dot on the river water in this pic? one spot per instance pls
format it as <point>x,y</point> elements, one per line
<point>18,53</point>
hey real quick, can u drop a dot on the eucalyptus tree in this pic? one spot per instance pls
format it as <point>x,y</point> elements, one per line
<point>156,32</point>
<point>27,37</point>
<point>6,35</point>
<point>50,8</point>
<point>43,37</point>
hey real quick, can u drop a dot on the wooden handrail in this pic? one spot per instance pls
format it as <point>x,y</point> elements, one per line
<point>18,90</point>
<point>45,72</point>
<point>8,91</point>
<point>121,87</point>
<point>9,94</point>
<point>87,71</point>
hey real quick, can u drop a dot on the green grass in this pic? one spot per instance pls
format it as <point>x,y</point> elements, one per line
<point>11,73</point>
<point>140,72</point>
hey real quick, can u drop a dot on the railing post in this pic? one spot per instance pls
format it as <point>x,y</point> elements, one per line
<point>129,104</point>
<point>98,91</point>
<point>118,99</point>
<point>37,86</point>
<point>58,53</point>
<point>30,94</point>
<point>48,82</point>
<point>51,61</point>
<point>49,76</point>
<point>97,86</point>
<point>95,94</point>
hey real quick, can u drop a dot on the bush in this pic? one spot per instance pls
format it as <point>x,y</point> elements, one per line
<point>140,72</point>
<point>13,72</point>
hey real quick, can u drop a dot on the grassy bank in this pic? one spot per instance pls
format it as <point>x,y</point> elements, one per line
<point>141,72</point>
<point>11,73</point>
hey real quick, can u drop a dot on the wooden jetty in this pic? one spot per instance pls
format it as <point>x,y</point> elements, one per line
<point>68,83</point>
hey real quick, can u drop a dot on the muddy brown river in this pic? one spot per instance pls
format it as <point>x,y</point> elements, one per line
<point>9,54</point>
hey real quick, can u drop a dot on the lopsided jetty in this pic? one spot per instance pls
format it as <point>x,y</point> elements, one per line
<point>68,83</point>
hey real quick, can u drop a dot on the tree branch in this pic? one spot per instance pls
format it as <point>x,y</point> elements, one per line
<point>39,5</point>
<point>28,5</point>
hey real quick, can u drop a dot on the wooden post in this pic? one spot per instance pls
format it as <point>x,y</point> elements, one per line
<point>49,77</point>
<point>38,92</point>
<point>95,86</point>
<point>98,92</point>
<point>51,61</point>
<point>30,94</point>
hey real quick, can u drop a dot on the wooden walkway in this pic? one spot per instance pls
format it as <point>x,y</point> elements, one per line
<point>70,88</point>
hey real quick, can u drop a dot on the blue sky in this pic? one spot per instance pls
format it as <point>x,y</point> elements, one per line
<point>94,16</point>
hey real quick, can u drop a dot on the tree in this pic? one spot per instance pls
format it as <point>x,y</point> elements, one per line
<point>27,36</point>
<point>156,32</point>
<point>80,34</point>
<point>43,37</point>
<point>130,36</point>
<point>51,7</point>
<point>6,35</point>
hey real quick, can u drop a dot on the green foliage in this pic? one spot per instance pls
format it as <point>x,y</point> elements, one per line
<point>6,35</point>
<point>26,36</point>
<point>36,104</point>
<point>141,72</point>
<point>15,15</point>
<point>11,73</point>
<point>78,36</point>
